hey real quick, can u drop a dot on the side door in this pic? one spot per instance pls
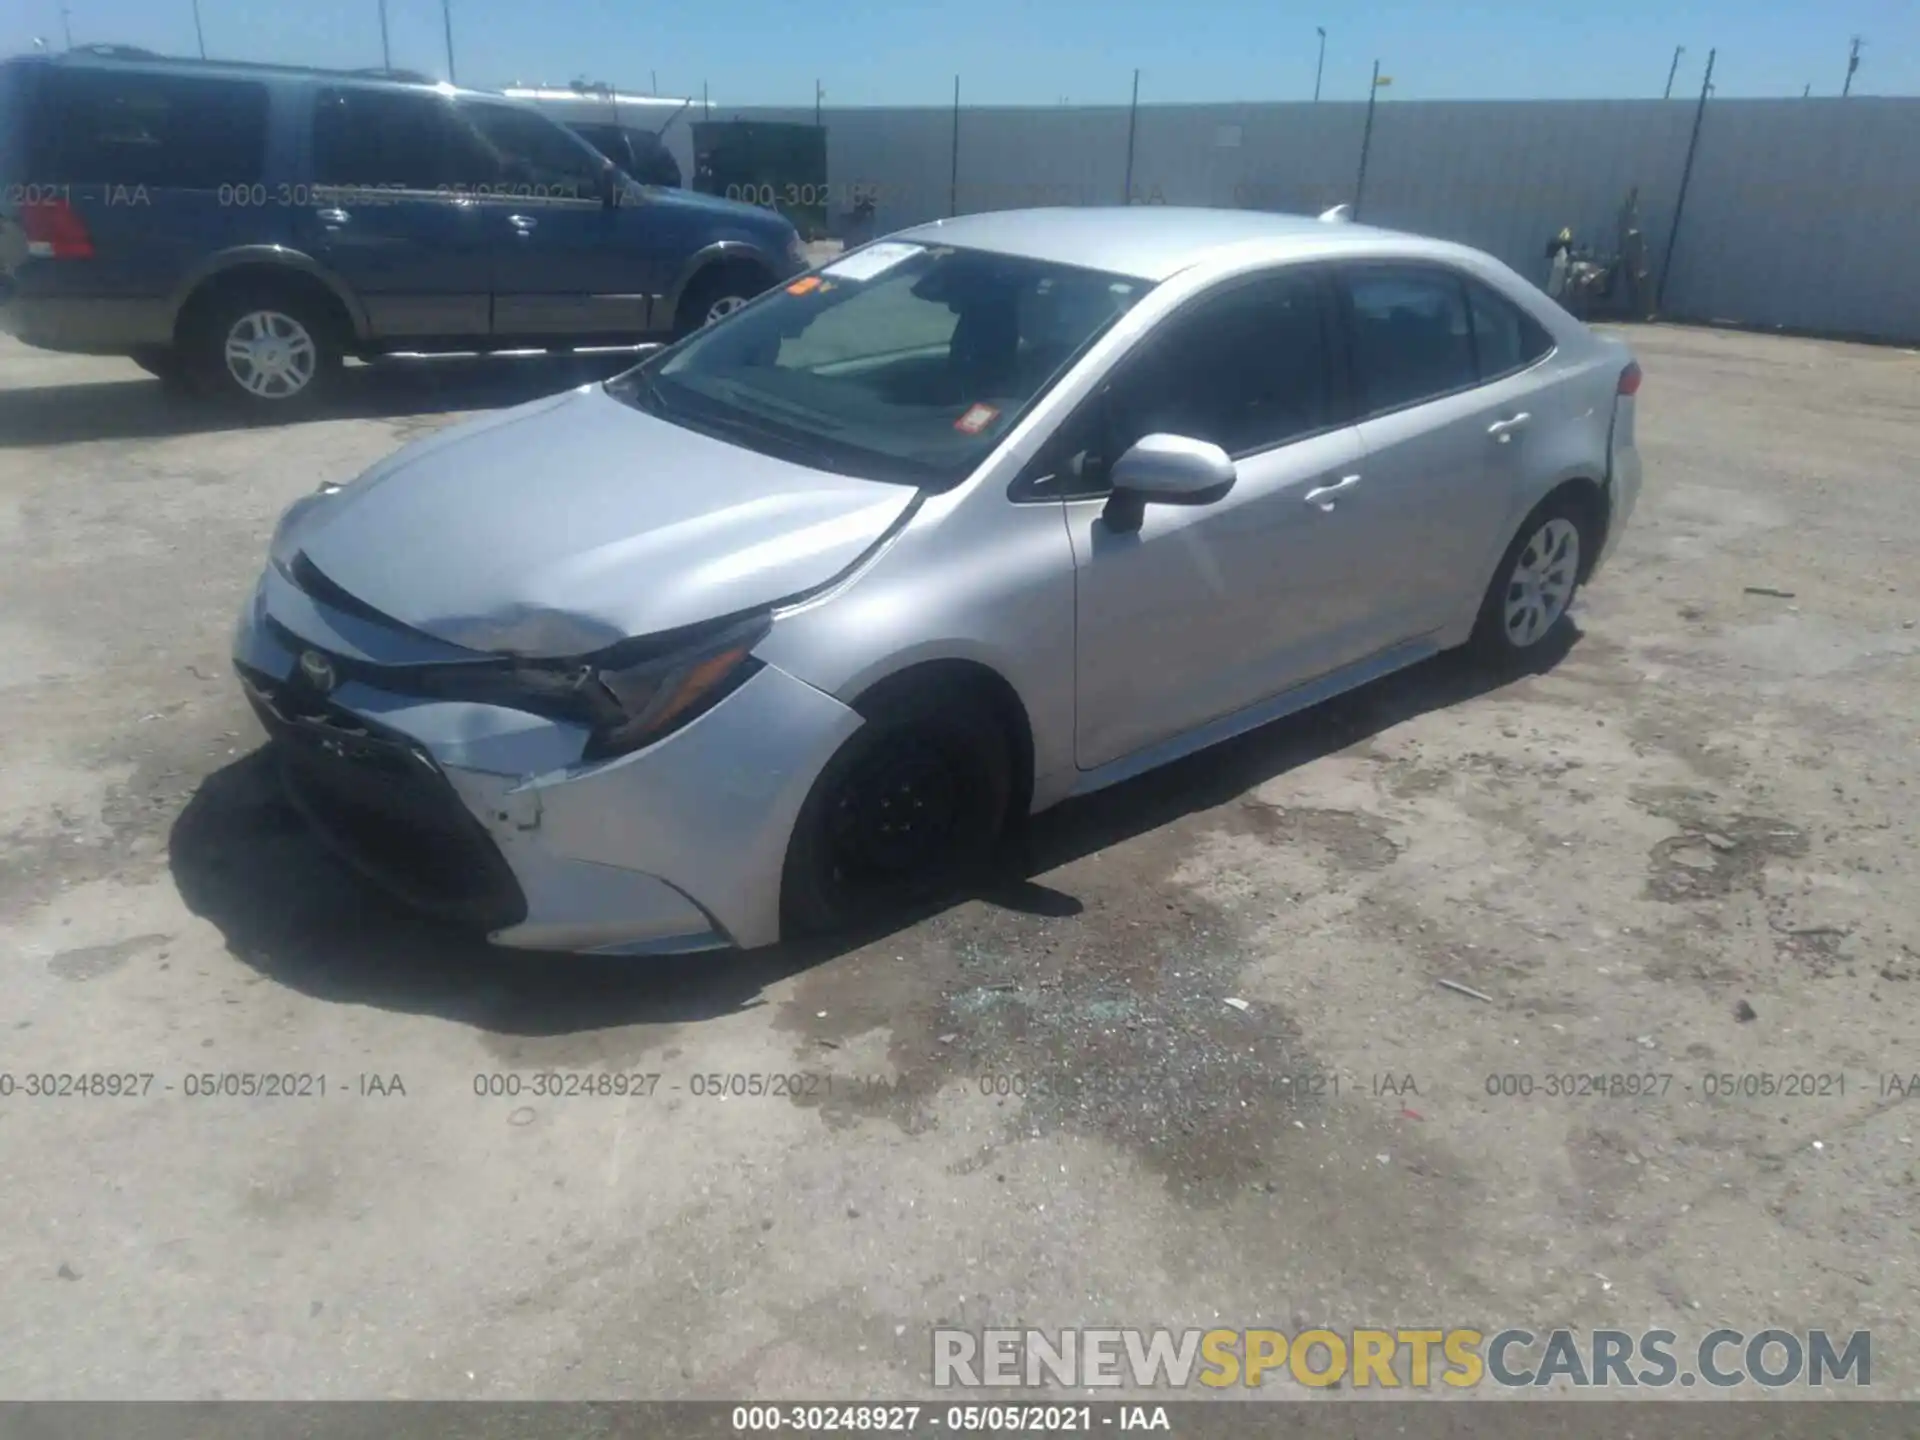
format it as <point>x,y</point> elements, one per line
<point>1444,434</point>
<point>560,268</point>
<point>1205,610</point>
<point>385,218</point>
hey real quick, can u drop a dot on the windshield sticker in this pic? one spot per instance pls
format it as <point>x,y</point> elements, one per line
<point>872,261</point>
<point>806,284</point>
<point>977,418</point>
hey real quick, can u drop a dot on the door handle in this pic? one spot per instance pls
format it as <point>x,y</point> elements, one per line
<point>1323,495</point>
<point>332,219</point>
<point>1502,430</point>
<point>523,223</point>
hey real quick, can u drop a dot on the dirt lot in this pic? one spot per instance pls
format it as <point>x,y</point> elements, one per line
<point>1044,1108</point>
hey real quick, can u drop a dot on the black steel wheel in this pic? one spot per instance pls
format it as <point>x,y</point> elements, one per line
<point>910,808</point>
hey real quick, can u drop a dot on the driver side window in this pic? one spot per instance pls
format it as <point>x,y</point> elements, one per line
<point>1247,368</point>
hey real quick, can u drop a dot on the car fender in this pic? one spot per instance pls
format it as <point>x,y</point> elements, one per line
<point>282,257</point>
<point>718,252</point>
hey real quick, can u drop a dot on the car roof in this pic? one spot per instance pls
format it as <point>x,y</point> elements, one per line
<point>1149,242</point>
<point>127,59</point>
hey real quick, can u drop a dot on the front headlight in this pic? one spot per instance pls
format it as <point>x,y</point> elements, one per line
<point>652,697</point>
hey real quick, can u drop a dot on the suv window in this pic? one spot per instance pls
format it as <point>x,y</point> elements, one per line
<point>1411,335</point>
<point>525,153</point>
<point>101,127</point>
<point>382,138</point>
<point>611,141</point>
<point>1505,338</point>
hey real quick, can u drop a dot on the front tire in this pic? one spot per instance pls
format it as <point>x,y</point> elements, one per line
<point>1523,617</point>
<point>910,808</point>
<point>263,350</point>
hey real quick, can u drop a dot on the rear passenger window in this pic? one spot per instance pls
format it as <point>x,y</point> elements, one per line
<point>1506,339</point>
<point>1412,337</point>
<point>101,127</point>
<point>387,138</point>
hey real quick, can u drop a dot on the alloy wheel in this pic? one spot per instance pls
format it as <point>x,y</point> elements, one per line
<point>270,354</point>
<point>723,307</point>
<point>1542,582</point>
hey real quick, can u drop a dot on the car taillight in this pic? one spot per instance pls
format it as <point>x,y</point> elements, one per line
<point>55,231</point>
<point>1630,379</point>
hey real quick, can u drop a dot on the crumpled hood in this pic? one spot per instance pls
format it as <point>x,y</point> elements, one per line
<point>567,524</point>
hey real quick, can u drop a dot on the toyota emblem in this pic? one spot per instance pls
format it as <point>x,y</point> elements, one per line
<point>318,671</point>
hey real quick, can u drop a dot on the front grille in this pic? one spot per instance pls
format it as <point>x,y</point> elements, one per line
<point>384,805</point>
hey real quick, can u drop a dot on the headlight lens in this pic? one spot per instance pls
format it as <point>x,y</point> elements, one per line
<point>653,697</point>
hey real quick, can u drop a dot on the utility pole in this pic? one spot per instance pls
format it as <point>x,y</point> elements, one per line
<point>653,82</point>
<point>953,182</point>
<point>1686,179</point>
<point>446,19</point>
<point>1673,70</point>
<point>198,33</point>
<point>1366,142</point>
<point>818,96</point>
<point>1806,90</point>
<point>1320,66</point>
<point>66,23</point>
<point>386,48</point>
<point>1853,64</point>
<point>1133,122</point>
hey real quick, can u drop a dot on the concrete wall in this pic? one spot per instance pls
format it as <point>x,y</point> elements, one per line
<point>1801,213</point>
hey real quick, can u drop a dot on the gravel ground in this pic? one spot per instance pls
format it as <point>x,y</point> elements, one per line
<point>1686,851</point>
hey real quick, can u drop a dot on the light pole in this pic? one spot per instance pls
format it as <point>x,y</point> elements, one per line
<point>386,50</point>
<point>446,20</point>
<point>1853,64</point>
<point>198,33</point>
<point>1320,65</point>
<point>1673,69</point>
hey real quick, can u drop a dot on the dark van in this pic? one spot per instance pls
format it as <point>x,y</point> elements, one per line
<point>242,228</point>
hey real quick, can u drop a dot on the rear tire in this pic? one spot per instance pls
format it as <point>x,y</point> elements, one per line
<point>1523,618</point>
<point>265,349</point>
<point>715,294</point>
<point>909,809</point>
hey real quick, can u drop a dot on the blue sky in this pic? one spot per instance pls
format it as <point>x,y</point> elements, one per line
<point>1044,51</point>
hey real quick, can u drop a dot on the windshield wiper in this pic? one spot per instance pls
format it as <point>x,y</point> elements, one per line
<point>772,405</point>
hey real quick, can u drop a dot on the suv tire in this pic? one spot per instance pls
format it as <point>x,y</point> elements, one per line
<point>716,293</point>
<point>267,348</point>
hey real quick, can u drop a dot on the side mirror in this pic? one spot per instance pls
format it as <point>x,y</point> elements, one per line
<point>1166,470</point>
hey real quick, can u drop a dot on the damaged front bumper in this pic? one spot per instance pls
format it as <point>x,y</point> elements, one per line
<point>485,815</point>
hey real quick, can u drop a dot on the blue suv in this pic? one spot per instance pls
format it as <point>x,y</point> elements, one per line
<point>242,228</point>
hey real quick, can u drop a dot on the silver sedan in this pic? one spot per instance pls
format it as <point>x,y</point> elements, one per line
<point>788,624</point>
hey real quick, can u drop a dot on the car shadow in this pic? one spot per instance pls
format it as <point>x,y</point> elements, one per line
<point>243,860</point>
<point>140,407</point>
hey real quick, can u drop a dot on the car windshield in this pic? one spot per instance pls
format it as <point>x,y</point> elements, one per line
<point>897,362</point>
